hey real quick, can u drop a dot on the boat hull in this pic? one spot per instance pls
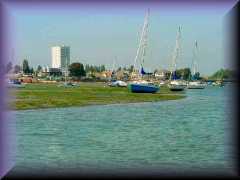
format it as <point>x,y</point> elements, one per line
<point>176,87</point>
<point>196,85</point>
<point>118,84</point>
<point>143,88</point>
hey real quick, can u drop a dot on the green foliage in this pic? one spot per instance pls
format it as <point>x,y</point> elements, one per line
<point>119,69</point>
<point>184,73</point>
<point>31,70</point>
<point>39,68</point>
<point>196,76</point>
<point>168,74</point>
<point>77,70</point>
<point>91,68</point>
<point>222,74</point>
<point>131,69</point>
<point>26,69</point>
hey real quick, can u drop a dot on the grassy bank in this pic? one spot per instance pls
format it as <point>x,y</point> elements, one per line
<point>35,96</point>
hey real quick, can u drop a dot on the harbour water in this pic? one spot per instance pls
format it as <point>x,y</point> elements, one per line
<point>183,135</point>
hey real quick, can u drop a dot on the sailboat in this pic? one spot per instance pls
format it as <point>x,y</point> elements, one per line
<point>67,83</point>
<point>194,83</point>
<point>140,85</point>
<point>15,83</point>
<point>114,82</point>
<point>175,83</point>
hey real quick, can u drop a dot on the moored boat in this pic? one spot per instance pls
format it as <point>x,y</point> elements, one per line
<point>218,83</point>
<point>143,88</point>
<point>118,84</point>
<point>176,84</point>
<point>196,85</point>
<point>15,84</point>
<point>194,82</point>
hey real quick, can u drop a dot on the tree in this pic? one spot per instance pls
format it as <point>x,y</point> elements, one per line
<point>39,68</point>
<point>77,70</point>
<point>184,73</point>
<point>168,74</point>
<point>155,71</point>
<point>131,68</point>
<point>87,68</point>
<point>31,70</point>
<point>102,68</point>
<point>26,69</point>
<point>9,67</point>
<point>17,69</point>
<point>196,76</point>
<point>223,74</point>
<point>119,69</point>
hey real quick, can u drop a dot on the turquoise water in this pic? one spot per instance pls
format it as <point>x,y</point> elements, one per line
<point>192,133</point>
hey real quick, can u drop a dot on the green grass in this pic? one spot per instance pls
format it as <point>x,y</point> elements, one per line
<point>34,96</point>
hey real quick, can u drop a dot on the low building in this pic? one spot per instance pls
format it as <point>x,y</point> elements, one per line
<point>122,75</point>
<point>161,74</point>
<point>55,72</point>
<point>50,72</point>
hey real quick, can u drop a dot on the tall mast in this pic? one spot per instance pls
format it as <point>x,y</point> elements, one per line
<point>176,52</point>
<point>195,58</point>
<point>114,61</point>
<point>141,51</point>
<point>177,49</point>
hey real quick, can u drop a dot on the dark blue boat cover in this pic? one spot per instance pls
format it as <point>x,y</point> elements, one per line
<point>142,71</point>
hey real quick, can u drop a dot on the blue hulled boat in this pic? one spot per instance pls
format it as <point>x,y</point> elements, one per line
<point>143,88</point>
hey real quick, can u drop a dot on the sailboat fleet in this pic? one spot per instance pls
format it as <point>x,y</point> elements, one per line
<point>175,83</point>
<point>138,84</point>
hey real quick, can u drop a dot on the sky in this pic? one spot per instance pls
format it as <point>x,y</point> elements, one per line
<point>103,33</point>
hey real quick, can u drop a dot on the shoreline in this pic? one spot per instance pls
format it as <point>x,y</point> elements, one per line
<point>89,105</point>
<point>45,96</point>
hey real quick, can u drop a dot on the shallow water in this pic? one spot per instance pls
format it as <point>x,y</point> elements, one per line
<point>188,134</point>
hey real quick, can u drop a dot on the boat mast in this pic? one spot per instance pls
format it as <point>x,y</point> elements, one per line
<point>114,61</point>
<point>141,51</point>
<point>145,38</point>
<point>177,51</point>
<point>195,57</point>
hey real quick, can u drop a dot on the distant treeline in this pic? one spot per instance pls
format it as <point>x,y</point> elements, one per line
<point>223,74</point>
<point>92,68</point>
<point>78,69</point>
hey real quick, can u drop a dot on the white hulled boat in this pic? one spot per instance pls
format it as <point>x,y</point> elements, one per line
<point>194,83</point>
